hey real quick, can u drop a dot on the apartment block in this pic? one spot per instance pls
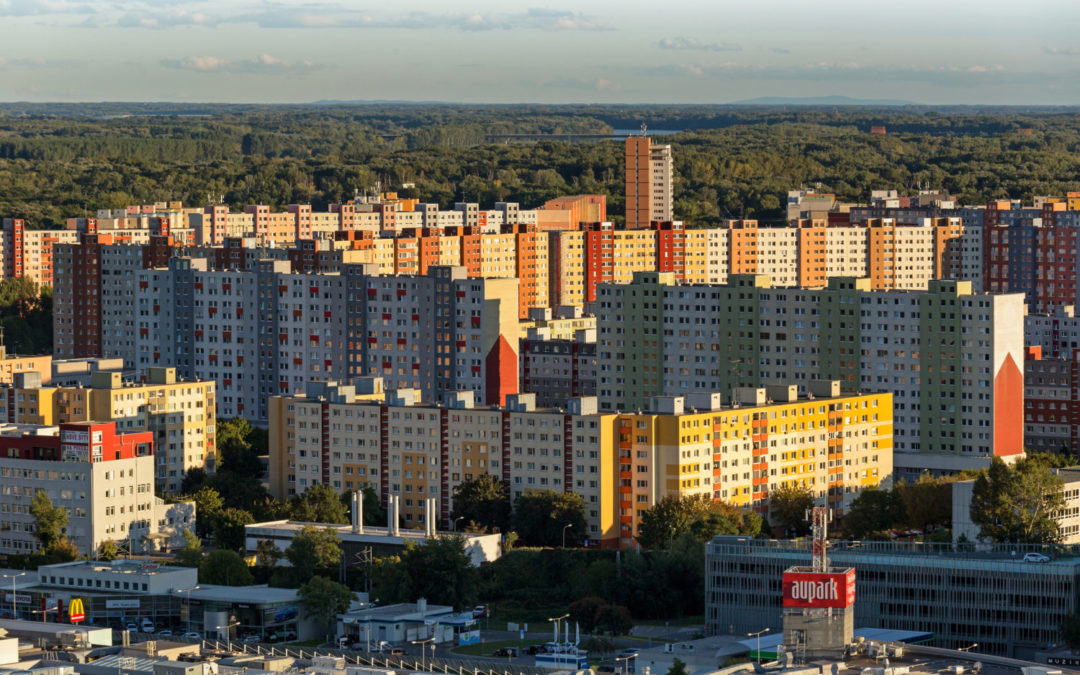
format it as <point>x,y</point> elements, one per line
<point>1056,333</point>
<point>621,464</point>
<point>649,182</point>
<point>1051,402</point>
<point>180,415</point>
<point>556,370</point>
<point>104,479</point>
<point>952,357</point>
<point>268,331</point>
<point>26,252</point>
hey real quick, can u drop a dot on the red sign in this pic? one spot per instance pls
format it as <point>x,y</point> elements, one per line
<point>811,589</point>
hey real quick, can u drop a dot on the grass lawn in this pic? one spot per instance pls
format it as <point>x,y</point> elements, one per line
<point>698,620</point>
<point>318,642</point>
<point>488,647</point>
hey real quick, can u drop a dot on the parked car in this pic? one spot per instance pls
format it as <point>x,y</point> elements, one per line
<point>130,626</point>
<point>480,611</point>
<point>1036,558</point>
<point>192,635</point>
<point>505,651</point>
<point>165,633</point>
<point>250,639</point>
<point>147,626</point>
<point>533,650</point>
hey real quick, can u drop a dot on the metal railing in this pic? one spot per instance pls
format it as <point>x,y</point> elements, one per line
<point>374,660</point>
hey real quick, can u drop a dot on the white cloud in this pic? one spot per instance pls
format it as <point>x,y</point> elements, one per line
<point>692,44</point>
<point>263,63</point>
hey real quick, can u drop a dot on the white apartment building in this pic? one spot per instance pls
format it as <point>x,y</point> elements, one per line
<point>103,479</point>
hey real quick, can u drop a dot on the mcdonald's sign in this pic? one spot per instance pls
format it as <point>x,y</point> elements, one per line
<point>75,611</point>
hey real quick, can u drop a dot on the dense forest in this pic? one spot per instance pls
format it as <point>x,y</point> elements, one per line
<point>58,161</point>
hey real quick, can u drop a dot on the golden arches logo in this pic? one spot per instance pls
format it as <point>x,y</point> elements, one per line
<point>76,611</point>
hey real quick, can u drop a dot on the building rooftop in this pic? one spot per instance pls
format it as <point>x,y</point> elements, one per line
<point>262,594</point>
<point>1003,557</point>
<point>120,566</point>
<point>407,611</point>
<point>371,533</point>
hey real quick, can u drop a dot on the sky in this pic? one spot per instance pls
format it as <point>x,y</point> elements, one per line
<point>584,51</point>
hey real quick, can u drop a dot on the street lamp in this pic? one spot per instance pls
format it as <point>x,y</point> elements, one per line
<point>969,647</point>
<point>454,527</point>
<point>188,591</point>
<point>758,636</point>
<point>626,663</point>
<point>556,620</point>
<point>423,650</point>
<point>565,528</point>
<point>13,577</point>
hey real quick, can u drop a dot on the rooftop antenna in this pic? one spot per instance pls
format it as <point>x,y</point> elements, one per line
<point>644,129</point>
<point>819,517</point>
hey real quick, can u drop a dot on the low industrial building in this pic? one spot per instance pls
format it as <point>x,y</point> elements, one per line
<point>57,634</point>
<point>359,539</point>
<point>990,596</point>
<point>404,622</point>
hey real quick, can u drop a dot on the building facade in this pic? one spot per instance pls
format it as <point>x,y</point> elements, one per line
<point>102,478</point>
<point>621,464</point>
<point>269,331</point>
<point>953,358</point>
<point>179,414</point>
<point>649,182</point>
<point>1010,608</point>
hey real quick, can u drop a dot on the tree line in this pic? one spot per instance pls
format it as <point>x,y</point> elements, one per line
<point>729,162</point>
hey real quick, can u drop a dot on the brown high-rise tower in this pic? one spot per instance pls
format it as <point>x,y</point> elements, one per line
<point>648,182</point>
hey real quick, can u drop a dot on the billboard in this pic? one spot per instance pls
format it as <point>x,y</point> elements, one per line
<point>819,590</point>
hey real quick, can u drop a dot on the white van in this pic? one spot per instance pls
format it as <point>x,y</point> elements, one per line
<point>147,626</point>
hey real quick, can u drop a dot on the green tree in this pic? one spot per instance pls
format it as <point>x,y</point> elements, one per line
<point>541,517</point>
<point>788,505</point>
<point>485,501</point>
<point>323,600</point>
<point>614,620</point>
<point>440,570</point>
<point>238,453</point>
<point>697,515</point>
<point>194,479</point>
<point>229,528</point>
<point>583,611</point>
<point>49,520</point>
<point>312,549</point>
<point>225,568</point>
<point>1016,503</point>
<point>873,511</point>
<point>669,518</point>
<point>677,667</point>
<point>208,505</point>
<point>267,553</point>
<point>62,550</point>
<point>191,554</point>
<point>374,513</point>
<point>108,550</point>
<point>1070,631</point>
<point>318,504</point>
<point>927,502</point>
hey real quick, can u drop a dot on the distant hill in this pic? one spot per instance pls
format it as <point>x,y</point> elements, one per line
<point>820,100</point>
